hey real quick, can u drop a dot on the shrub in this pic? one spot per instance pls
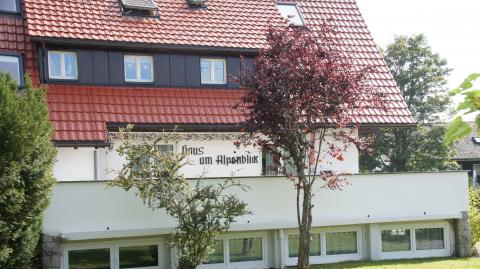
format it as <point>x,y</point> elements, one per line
<point>26,159</point>
<point>474,214</point>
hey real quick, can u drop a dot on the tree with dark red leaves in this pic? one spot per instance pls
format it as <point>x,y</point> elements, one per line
<point>304,91</point>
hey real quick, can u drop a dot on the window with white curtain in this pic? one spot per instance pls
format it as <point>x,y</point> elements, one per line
<point>341,243</point>
<point>429,238</point>
<point>213,71</point>
<point>62,65</point>
<point>315,245</point>
<point>396,240</point>
<point>138,68</point>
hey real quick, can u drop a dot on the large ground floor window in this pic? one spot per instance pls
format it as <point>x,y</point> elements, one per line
<point>135,254</point>
<point>413,240</point>
<point>327,245</point>
<point>248,250</point>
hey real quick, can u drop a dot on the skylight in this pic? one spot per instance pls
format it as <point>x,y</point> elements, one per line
<point>139,8</point>
<point>291,12</point>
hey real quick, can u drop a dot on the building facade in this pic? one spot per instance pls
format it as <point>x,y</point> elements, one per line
<point>165,65</point>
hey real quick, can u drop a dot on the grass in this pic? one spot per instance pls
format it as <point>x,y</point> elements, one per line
<point>434,263</point>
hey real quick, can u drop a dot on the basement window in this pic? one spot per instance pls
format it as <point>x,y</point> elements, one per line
<point>139,8</point>
<point>10,6</point>
<point>291,12</point>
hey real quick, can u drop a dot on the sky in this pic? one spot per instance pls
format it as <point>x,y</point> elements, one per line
<point>452,28</point>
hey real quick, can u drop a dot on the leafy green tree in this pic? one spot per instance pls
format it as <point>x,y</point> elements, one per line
<point>26,159</point>
<point>421,77</point>
<point>470,104</point>
<point>474,215</point>
<point>203,211</point>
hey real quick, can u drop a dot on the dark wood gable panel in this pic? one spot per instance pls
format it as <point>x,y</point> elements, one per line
<point>100,67</point>
<point>177,70</point>
<point>115,67</point>
<point>85,66</point>
<point>233,71</point>
<point>192,73</point>
<point>161,70</point>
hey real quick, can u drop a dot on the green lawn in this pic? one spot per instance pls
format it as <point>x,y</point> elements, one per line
<point>440,263</point>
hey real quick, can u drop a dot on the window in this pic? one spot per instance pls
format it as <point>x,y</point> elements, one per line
<point>138,68</point>
<point>217,256</point>
<point>89,258</point>
<point>11,64</point>
<point>144,8</point>
<point>138,256</point>
<point>341,243</point>
<point>146,161</point>
<point>62,65</point>
<point>315,245</point>
<point>396,240</point>
<point>291,13</point>
<point>431,238</point>
<point>10,6</point>
<point>213,71</point>
<point>269,167</point>
<point>245,249</point>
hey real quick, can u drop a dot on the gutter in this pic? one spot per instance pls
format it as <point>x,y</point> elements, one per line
<point>143,46</point>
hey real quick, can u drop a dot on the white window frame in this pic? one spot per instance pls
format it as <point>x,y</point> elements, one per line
<point>413,252</point>
<point>62,65</point>
<point>138,71</point>
<point>115,251</point>
<point>212,71</point>
<point>324,258</point>
<point>237,265</point>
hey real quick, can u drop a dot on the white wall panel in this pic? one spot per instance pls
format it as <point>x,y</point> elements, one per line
<point>78,207</point>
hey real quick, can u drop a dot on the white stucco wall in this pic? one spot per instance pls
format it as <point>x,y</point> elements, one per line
<point>91,207</point>
<point>79,164</point>
<point>74,164</point>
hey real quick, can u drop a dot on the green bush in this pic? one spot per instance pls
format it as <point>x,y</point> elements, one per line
<point>26,159</point>
<point>474,214</point>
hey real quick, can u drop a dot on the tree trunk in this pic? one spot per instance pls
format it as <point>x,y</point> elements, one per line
<point>304,228</point>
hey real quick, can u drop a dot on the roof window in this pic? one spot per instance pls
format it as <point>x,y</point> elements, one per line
<point>291,12</point>
<point>141,8</point>
<point>197,3</point>
<point>10,6</point>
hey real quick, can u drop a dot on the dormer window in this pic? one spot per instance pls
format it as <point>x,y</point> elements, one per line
<point>141,8</point>
<point>62,65</point>
<point>138,68</point>
<point>10,6</point>
<point>213,71</point>
<point>291,12</point>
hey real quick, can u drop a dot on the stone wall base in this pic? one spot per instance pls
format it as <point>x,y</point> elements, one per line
<point>51,252</point>
<point>463,245</point>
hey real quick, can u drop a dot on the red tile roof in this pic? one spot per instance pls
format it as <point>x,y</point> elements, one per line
<point>81,113</point>
<point>225,23</point>
<point>13,38</point>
